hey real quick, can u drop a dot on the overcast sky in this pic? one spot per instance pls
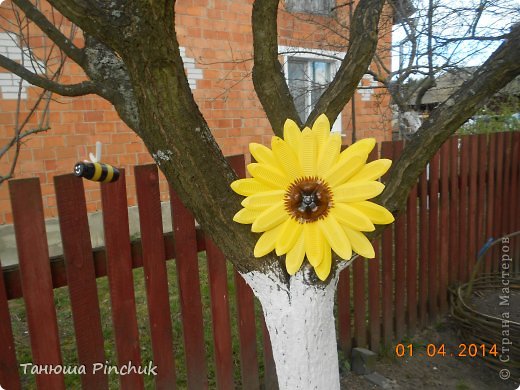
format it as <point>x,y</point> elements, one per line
<point>447,23</point>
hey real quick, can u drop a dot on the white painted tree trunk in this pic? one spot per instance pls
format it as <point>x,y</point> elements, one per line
<point>302,330</point>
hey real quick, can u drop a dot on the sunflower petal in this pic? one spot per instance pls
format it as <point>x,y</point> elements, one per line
<point>357,191</point>
<point>286,158</point>
<point>292,134</point>
<point>313,243</point>
<point>362,147</point>
<point>343,170</point>
<point>323,269</point>
<point>308,153</point>
<point>336,237</point>
<point>373,170</point>
<point>360,243</point>
<point>249,186</point>
<point>294,258</point>
<point>270,218</point>
<point>267,241</point>
<point>268,175</point>
<point>376,213</point>
<point>329,154</point>
<point>246,216</point>
<point>291,232</point>
<point>262,154</point>
<point>345,214</point>
<point>321,130</point>
<point>263,200</point>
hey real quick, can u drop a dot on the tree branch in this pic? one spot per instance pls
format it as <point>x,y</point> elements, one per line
<point>65,44</point>
<point>268,77</point>
<point>363,44</point>
<point>80,89</point>
<point>500,68</point>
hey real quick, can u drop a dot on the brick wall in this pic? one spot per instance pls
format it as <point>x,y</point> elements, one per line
<point>216,41</point>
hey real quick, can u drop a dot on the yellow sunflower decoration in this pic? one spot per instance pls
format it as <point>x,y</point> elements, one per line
<point>307,198</point>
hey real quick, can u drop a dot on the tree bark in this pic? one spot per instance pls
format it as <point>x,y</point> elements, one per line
<point>302,329</point>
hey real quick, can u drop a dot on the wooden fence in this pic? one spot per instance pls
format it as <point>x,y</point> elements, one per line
<point>469,193</point>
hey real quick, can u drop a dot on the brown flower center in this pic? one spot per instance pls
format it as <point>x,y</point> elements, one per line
<point>308,199</point>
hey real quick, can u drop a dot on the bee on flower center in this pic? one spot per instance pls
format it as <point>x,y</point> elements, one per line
<point>308,199</point>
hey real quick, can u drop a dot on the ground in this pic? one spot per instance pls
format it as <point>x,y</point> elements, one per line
<point>439,372</point>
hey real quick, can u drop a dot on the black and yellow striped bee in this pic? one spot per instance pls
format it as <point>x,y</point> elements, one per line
<point>96,171</point>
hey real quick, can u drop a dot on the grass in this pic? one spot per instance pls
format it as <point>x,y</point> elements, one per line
<point>68,344</point>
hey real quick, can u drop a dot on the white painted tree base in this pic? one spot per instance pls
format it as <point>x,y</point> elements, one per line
<point>302,330</point>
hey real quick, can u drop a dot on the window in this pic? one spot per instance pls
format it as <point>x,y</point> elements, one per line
<point>323,7</point>
<point>308,74</point>
<point>307,81</point>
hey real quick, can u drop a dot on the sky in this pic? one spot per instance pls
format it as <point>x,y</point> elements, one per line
<point>452,19</point>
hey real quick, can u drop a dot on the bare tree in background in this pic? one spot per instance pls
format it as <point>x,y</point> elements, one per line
<point>430,38</point>
<point>45,61</point>
<point>132,59</point>
<point>436,38</point>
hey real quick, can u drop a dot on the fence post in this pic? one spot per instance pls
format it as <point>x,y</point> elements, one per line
<point>155,273</point>
<point>81,277</point>
<point>33,258</point>
<point>120,278</point>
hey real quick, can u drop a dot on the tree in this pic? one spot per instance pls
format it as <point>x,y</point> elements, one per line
<point>142,75</point>
<point>435,38</point>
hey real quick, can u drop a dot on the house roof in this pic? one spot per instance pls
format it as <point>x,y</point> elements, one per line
<point>447,84</point>
<point>402,9</point>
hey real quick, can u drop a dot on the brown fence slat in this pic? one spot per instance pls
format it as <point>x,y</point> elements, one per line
<point>374,297</point>
<point>433,238</point>
<point>515,195</point>
<point>9,377</point>
<point>472,208</point>
<point>411,255</point>
<point>246,312</point>
<point>120,279</point>
<point>506,190</point>
<point>189,292</point>
<point>499,189</point>
<point>344,325</point>
<point>223,353</point>
<point>387,267</point>
<point>374,293</point>
<point>33,257</point>
<point>514,216</point>
<point>463,209</point>
<point>81,278</point>
<point>423,249</point>
<point>155,273</point>
<point>454,210</point>
<point>444,228</point>
<point>490,193</point>
<point>358,283</point>
<point>481,198</point>
<point>400,262</point>
<point>247,334</point>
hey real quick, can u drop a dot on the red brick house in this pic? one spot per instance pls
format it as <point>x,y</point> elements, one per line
<point>216,41</point>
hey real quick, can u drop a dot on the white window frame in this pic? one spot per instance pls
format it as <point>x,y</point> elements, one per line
<point>306,54</point>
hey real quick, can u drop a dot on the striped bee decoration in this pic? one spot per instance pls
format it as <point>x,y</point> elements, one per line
<point>101,172</point>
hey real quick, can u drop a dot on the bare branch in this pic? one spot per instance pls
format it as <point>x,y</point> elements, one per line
<point>268,78</point>
<point>65,44</point>
<point>363,43</point>
<point>500,68</point>
<point>80,89</point>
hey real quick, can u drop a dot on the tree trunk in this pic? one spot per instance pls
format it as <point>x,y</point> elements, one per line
<point>301,326</point>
